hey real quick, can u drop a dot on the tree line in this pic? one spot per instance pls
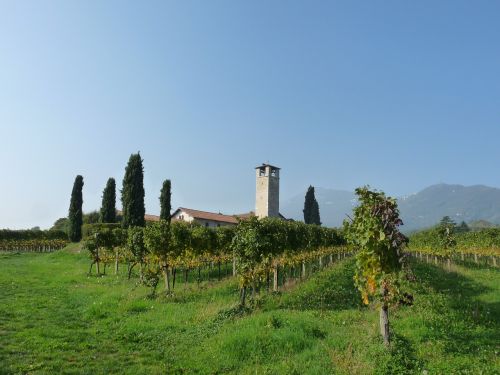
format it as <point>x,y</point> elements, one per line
<point>132,198</point>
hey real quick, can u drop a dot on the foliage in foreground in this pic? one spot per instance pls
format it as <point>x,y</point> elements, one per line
<point>482,242</point>
<point>257,248</point>
<point>107,325</point>
<point>374,234</point>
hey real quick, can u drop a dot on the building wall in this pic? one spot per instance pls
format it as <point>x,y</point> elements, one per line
<point>262,193</point>
<point>274,197</point>
<point>181,215</point>
<point>267,193</point>
<point>212,223</point>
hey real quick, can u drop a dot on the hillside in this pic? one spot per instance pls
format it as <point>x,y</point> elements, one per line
<point>421,210</point>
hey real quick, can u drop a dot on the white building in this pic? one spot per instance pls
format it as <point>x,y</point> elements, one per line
<point>208,219</point>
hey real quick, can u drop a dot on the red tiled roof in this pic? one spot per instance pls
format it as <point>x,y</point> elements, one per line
<point>151,217</point>
<point>204,215</point>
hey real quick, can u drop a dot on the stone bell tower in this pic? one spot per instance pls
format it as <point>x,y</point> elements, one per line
<point>267,200</point>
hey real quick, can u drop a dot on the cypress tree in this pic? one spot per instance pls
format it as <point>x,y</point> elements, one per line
<point>108,208</point>
<point>462,228</point>
<point>133,193</point>
<point>75,211</point>
<point>311,208</point>
<point>315,213</point>
<point>165,197</point>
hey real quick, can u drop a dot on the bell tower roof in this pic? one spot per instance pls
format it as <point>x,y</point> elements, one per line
<point>263,165</point>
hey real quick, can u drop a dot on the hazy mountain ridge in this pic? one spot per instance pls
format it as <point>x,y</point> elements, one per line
<point>420,210</point>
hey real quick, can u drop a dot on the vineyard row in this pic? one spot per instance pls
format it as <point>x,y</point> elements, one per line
<point>37,245</point>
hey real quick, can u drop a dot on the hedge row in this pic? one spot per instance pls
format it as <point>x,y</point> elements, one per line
<point>28,234</point>
<point>43,245</point>
<point>483,239</point>
<point>89,230</point>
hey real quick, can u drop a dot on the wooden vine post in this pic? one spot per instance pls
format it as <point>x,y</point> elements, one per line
<point>275,278</point>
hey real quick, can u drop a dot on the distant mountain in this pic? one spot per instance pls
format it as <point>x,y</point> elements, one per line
<point>481,224</point>
<point>461,203</point>
<point>418,211</point>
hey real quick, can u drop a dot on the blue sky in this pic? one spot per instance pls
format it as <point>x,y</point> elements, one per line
<point>398,95</point>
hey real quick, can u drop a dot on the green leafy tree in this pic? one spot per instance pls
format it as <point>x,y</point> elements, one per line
<point>446,221</point>
<point>108,207</point>
<point>133,193</point>
<point>446,231</point>
<point>61,224</point>
<point>446,234</point>
<point>311,208</point>
<point>462,228</point>
<point>92,217</point>
<point>75,211</point>
<point>165,198</point>
<point>374,233</point>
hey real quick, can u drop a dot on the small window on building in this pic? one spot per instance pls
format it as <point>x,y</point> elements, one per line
<point>206,224</point>
<point>218,224</point>
<point>273,172</point>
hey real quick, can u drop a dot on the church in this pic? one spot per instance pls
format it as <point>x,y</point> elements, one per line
<point>267,191</point>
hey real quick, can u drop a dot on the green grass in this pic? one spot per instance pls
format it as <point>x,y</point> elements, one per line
<point>56,319</point>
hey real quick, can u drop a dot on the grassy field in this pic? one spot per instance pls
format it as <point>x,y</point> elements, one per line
<point>56,319</point>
